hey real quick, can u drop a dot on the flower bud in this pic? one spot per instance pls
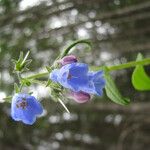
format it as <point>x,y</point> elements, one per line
<point>80,97</point>
<point>68,60</point>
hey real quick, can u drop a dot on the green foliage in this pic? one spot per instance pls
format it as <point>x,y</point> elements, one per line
<point>113,92</point>
<point>140,80</point>
<point>22,63</point>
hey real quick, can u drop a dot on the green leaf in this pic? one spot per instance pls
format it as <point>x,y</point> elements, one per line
<point>113,92</point>
<point>140,80</point>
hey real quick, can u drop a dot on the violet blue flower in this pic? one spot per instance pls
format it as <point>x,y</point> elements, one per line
<point>25,108</point>
<point>77,77</point>
<point>68,60</point>
<point>80,97</point>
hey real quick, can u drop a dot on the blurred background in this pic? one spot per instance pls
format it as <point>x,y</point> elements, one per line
<point>118,29</point>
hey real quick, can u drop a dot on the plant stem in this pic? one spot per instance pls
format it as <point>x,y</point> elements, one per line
<point>66,50</point>
<point>145,61</point>
<point>39,75</point>
<point>39,82</point>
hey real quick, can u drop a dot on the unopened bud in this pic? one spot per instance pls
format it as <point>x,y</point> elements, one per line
<point>68,60</point>
<point>80,97</point>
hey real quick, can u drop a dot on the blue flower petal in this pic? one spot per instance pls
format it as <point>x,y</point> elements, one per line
<point>25,108</point>
<point>25,116</point>
<point>78,69</point>
<point>78,83</point>
<point>34,106</point>
<point>99,82</point>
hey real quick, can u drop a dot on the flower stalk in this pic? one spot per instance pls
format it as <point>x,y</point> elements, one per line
<point>131,64</point>
<point>144,62</point>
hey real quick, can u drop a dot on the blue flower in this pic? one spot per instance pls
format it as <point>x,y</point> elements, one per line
<point>77,77</point>
<point>25,108</point>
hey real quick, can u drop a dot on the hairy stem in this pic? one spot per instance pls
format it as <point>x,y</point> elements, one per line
<point>66,50</point>
<point>145,61</point>
<point>39,75</point>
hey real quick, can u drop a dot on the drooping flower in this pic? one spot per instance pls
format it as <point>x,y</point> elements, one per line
<point>68,60</point>
<point>79,97</point>
<point>77,77</point>
<point>25,108</point>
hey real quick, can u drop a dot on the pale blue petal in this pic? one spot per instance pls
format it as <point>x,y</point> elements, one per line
<point>54,75</point>
<point>29,113</point>
<point>99,82</point>
<point>78,83</point>
<point>34,106</point>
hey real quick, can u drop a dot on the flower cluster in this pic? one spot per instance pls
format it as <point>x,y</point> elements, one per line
<point>77,77</point>
<point>81,83</point>
<point>71,75</point>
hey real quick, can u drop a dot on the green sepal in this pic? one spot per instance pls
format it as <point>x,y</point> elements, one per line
<point>55,91</point>
<point>22,63</point>
<point>25,81</point>
<point>48,83</point>
<point>49,69</point>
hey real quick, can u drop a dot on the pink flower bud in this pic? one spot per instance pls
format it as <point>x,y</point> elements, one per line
<point>68,60</point>
<point>80,97</point>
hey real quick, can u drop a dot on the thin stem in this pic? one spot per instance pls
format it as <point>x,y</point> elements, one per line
<point>19,79</point>
<point>39,82</point>
<point>129,64</point>
<point>110,68</point>
<point>66,51</point>
<point>39,75</point>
